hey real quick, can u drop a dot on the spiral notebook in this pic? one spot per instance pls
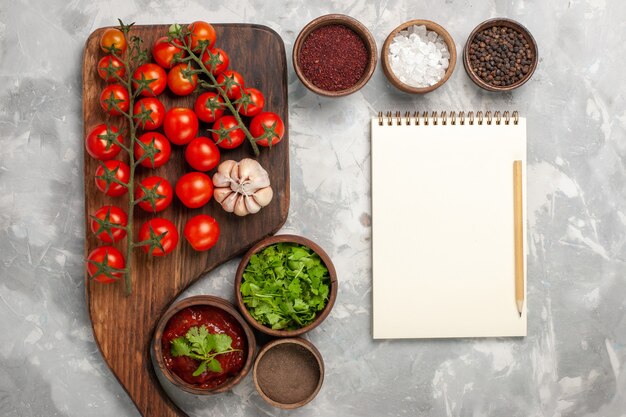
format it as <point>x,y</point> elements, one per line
<point>443,251</point>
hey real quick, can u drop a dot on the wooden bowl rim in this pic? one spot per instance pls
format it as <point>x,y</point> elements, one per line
<point>430,25</point>
<point>202,300</point>
<point>289,239</point>
<point>297,341</point>
<point>357,27</point>
<point>500,21</point>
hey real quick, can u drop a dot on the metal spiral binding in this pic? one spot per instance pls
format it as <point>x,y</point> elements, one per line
<point>442,118</point>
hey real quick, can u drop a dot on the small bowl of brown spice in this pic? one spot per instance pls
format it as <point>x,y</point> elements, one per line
<point>334,55</point>
<point>288,373</point>
<point>500,55</point>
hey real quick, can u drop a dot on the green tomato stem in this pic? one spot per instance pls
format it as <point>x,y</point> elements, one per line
<point>227,101</point>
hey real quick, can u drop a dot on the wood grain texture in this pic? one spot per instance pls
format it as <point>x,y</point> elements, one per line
<point>123,326</point>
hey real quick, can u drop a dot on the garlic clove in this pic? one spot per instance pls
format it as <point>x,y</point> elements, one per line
<point>240,206</point>
<point>228,204</point>
<point>221,180</point>
<point>226,166</point>
<point>220,194</point>
<point>251,205</point>
<point>248,167</point>
<point>234,173</point>
<point>263,196</point>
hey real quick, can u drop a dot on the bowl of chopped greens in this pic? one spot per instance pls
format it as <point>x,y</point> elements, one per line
<point>285,285</point>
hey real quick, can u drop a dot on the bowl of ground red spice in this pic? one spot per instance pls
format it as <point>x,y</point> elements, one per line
<point>334,55</point>
<point>500,55</point>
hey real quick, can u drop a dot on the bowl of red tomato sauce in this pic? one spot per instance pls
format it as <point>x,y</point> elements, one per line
<point>203,346</point>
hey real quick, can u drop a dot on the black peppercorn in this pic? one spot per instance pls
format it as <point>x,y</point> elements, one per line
<point>500,56</point>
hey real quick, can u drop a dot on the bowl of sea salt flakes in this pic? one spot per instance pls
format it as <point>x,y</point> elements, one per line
<point>418,56</point>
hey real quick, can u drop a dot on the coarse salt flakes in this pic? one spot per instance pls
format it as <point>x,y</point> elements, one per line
<point>419,57</point>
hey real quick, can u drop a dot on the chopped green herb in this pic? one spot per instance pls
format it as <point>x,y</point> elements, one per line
<point>203,346</point>
<point>285,285</point>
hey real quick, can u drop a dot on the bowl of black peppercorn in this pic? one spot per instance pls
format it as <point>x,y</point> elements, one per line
<point>500,55</point>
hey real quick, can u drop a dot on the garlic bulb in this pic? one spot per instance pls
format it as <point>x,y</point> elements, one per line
<point>242,187</point>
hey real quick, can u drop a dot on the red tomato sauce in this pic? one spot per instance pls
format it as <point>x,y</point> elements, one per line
<point>216,321</point>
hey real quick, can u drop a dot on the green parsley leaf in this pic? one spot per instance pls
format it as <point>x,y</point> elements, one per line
<point>285,285</point>
<point>180,347</point>
<point>203,347</point>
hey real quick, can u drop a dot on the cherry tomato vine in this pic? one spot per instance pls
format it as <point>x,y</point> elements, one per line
<point>125,67</point>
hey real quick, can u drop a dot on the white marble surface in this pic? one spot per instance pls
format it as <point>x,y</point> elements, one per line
<point>571,364</point>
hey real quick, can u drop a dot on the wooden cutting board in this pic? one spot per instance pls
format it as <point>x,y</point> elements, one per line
<point>123,326</point>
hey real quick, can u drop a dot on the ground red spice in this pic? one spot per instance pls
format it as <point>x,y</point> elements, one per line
<point>333,57</point>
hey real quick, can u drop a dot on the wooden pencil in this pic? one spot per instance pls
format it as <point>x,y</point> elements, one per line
<point>518,235</point>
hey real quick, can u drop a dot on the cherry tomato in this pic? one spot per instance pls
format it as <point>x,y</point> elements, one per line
<point>114,215</point>
<point>267,122</point>
<point>201,31</point>
<point>202,232</point>
<point>154,189</point>
<point>109,256</point>
<point>154,228</point>
<point>223,136</point>
<point>114,169</point>
<point>114,93</point>
<point>164,52</point>
<point>157,112</point>
<point>113,39</point>
<point>110,65</point>
<point>194,189</point>
<point>250,102</point>
<point>180,81</point>
<point>162,149</point>
<point>150,72</point>
<point>100,143</point>
<point>202,154</point>
<point>215,60</point>
<point>231,82</point>
<point>209,107</point>
<point>180,125</point>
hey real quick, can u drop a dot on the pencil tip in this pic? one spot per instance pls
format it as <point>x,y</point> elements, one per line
<point>520,314</point>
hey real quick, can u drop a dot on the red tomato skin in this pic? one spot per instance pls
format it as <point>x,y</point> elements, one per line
<point>164,188</point>
<point>180,125</point>
<point>119,93</point>
<point>122,174</point>
<point>204,114</point>
<point>202,232</point>
<point>201,31</point>
<point>115,62</point>
<point>202,154</point>
<point>116,216</point>
<point>159,226</point>
<point>194,189</point>
<point>151,72</point>
<point>236,136</point>
<point>96,147</point>
<point>160,142</point>
<point>267,119</point>
<point>113,36</point>
<point>115,259</point>
<point>157,115</point>
<point>163,52</point>
<point>256,106</point>
<point>177,82</point>
<point>235,90</point>
<point>219,68</point>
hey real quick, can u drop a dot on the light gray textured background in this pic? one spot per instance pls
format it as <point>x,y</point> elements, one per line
<point>571,364</point>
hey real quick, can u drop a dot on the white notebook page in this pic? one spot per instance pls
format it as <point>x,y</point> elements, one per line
<point>442,230</point>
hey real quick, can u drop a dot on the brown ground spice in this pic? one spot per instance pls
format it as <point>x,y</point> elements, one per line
<point>288,373</point>
<point>333,57</point>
